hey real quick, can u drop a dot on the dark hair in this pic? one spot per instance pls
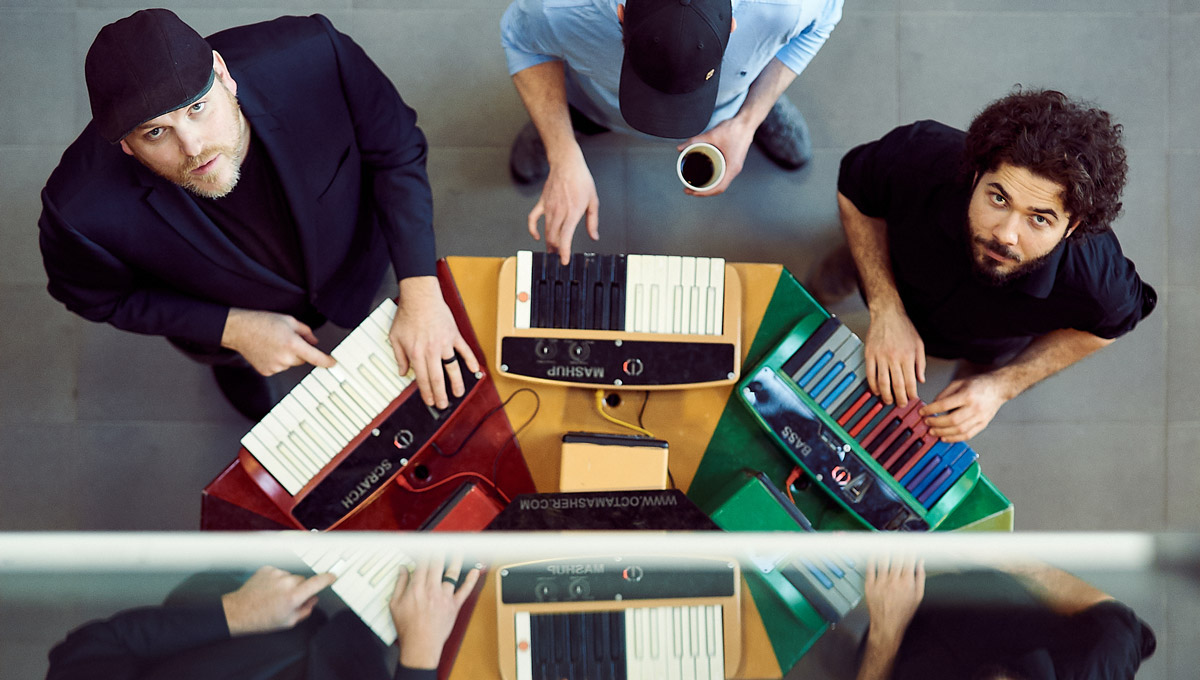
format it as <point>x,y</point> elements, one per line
<point>1067,142</point>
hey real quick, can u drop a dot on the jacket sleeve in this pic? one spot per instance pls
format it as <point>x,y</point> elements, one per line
<point>393,151</point>
<point>119,648</point>
<point>95,284</point>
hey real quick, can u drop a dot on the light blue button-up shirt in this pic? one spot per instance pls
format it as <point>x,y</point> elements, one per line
<point>586,36</point>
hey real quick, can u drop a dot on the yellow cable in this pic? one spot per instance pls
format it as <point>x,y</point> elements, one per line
<point>604,414</point>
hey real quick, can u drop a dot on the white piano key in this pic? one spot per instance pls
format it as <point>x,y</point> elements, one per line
<point>687,279</point>
<point>523,645</point>
<point>675,658</point>
<point>661,658</point>
<point>524,290</point>
<point>267,456</point>
<point>703,269</point>
<point>312,450</point>
<point>357,358</point>
<point>345,404</point>
<point>358,389</point>
<point>716,647</point>
<point>660,320</point>
<point>716,281</point>
<point>695,628</point>
<point>337,433</point>
<point>634,665</point>
<point>674,294</point>
<point>633,278</point>
<point>279,438</point>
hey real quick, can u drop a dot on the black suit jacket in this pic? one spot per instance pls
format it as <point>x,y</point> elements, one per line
<point>122,245</point>
<point>193,642</point>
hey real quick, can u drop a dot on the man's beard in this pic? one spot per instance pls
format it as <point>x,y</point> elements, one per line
<point>182,175</point>
<point>987,270</point>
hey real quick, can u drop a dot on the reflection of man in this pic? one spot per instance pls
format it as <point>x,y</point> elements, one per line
<point>993,246</point>
<point>1033,623</point>
<point>267,629</point>
<point>708,70</point>
<point>233,226</point>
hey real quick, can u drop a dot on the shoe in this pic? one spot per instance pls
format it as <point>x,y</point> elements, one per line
<point>246,390</point>
<point>834,278</point>
<point>527,160</point>
<point>783,136</point>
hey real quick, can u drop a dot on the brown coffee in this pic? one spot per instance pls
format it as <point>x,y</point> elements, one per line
<point>697,169</point>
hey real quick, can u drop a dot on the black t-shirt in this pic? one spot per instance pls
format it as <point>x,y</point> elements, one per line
<point>971,621</point>
<point>257,218</point>
<point>912,178</point>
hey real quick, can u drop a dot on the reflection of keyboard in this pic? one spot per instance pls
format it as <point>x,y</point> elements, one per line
<point>366,579</point>
<point>620,618</point>
<point>635,321</point>
<point>877,460</point>
<point>832,585</point>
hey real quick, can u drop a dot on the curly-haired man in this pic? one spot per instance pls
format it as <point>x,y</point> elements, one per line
<point>993,246</point>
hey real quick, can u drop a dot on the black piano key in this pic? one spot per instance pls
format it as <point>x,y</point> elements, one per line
<point>541,644</point>
<point>580,632</point>
<point>561,638</point>
<point>906,456</point>
<point>599,626</point>
<point>879,418</point>
<point>892,448</point>
<point>887,431</point>
<point>812,344</point>
<point>617,295</point>
<point>574,294</point>
<point>587,287</point>
<point>616,639</point>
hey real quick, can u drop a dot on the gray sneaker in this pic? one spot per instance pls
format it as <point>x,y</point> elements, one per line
<point>527,160</point>
<point>783,136</point>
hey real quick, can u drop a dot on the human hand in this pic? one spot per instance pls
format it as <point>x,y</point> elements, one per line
<point>966,407</point>
<point>893,590</point>
<point>272,599</point>
<point>733,139</point>
<point>568,195</point>
<point>272,342</point>
<point>423,334</point>
<point>894,357</point>
<point>424,607</point>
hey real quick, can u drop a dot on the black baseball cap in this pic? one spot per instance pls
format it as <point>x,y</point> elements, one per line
<point>672,65</point>
<point>143,66</point>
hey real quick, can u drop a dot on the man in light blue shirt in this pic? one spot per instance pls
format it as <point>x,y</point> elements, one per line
<point>705,70</point>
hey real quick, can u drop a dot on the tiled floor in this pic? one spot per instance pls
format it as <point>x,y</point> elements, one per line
<point>100,429</point>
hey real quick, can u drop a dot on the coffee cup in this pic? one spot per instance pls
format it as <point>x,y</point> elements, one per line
<point>700,166</point>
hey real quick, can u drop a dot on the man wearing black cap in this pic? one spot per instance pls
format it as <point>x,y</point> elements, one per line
<point>678,69</point>
<point>233,193</point>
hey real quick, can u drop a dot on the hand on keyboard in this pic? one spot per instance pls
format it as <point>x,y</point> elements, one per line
<point>893,590</point>
<point>568,196</point>
<point>423,334</point>
<point>272,342</point>
<point>425,606</point>
<point>272,599</point>
<point>966,407</point>
<point>894,357</point>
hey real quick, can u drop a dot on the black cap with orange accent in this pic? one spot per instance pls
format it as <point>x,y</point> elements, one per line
<point>143,66</point>
<point>672,65</point>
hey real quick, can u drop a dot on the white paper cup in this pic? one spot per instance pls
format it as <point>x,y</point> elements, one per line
<point>700,166</point>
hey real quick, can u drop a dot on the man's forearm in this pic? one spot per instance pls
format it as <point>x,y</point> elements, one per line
<point>879,655</point>
<point>867,238</point>
<point>763,93</point>
<point>1059,590</point>
<point>543,90</point>
<point>1046,356</point>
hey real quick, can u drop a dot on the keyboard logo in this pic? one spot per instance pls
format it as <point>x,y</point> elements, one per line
<point>575,371</point>
<point>366,486</point>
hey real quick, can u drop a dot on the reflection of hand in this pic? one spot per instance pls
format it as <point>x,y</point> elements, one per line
<point>733,139</point>
<point>423,334</point>
<point>569,194</point>
<point>272,599</point>
<point>272,342</point>
<point>424,607</point>
<point>894,357</point>
<point>967,406</point>
<point>893,591</point>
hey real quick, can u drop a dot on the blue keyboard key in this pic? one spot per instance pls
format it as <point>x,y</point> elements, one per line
<point>816,368</point>
<point>841,387</point>
<point>833,373</point>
